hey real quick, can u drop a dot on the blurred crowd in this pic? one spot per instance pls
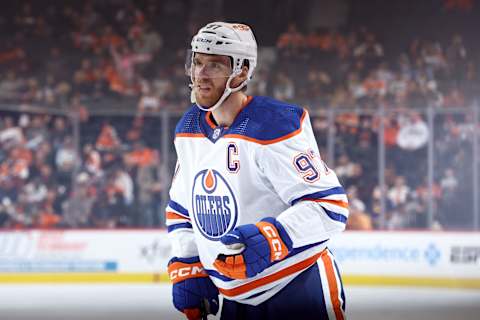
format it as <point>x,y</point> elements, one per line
<point>330,69</point>
<point>114,180</point>
<point>76,58</point>
<point>107,54</point>
<point>124,53</point>
<point>406,183</point>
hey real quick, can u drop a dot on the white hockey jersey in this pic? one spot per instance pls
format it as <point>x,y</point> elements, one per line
<point>266,164</point>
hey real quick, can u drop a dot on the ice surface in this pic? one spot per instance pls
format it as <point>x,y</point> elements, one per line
<point>153,302</point>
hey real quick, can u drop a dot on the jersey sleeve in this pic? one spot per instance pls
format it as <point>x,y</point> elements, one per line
<point>318,203</point>
<point>178,220</point>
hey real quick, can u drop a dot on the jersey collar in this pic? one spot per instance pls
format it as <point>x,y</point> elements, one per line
<point>214,132</point>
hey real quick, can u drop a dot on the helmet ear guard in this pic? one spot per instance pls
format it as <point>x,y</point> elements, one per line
<point>228,39</point>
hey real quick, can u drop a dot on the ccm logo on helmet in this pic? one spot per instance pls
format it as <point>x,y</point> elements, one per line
<point>204,40</point>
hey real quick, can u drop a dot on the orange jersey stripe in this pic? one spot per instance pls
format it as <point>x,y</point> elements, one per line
<point>173,215</point>
<point>332,284</point>
<point>209,121</point>
<point>271,278</point>
<point>339,203</point>
<point>189,135</point>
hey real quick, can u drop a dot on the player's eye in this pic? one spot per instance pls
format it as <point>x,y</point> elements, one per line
<point>196,63</point>
<point>215,65</point>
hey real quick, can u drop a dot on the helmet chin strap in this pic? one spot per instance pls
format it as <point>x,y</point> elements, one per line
<point>227,92</point>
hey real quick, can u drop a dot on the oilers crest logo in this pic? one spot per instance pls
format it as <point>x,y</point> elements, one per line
<point>215,209</point>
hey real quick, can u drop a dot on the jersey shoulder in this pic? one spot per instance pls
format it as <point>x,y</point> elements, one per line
<point>189,123</point>
<point>268,120</point>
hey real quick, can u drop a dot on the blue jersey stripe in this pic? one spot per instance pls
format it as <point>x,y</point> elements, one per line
<point>320,194</point>
<point>335,216</point>
<point>185,225</point>
<point>218,275</point>
<point>177,207</point>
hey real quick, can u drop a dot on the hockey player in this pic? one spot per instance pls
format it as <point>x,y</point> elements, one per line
<point>252,205</point>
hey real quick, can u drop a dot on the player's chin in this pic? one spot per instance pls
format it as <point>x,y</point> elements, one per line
<point>205,101</point>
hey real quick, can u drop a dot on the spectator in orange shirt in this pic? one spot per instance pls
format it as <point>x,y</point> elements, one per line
<point>108,139</point>
<point>291,42</point>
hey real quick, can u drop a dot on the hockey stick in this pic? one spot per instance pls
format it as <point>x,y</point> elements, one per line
<point>205,309</point>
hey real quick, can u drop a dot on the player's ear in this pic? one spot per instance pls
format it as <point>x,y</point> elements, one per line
<point>240,78</point>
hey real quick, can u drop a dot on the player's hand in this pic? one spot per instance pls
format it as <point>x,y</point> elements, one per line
<point>193,292</point>
<point>263,243</point>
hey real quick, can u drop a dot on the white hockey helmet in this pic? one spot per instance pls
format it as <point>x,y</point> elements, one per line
<point>234,40</point>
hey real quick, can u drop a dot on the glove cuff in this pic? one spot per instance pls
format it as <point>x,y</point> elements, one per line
<point>180,269</point>
<point>194,259</point>
<point>271,230</point>
<point>282,232</point>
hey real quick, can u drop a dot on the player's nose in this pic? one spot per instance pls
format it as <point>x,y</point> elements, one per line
<point>202,72</point>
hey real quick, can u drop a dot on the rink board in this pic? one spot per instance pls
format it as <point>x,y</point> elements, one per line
<point>432,259</point>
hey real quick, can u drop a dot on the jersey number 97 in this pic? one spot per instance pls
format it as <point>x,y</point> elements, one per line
<point>306,163</point>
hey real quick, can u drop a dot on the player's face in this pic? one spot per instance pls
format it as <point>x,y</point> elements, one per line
<point>210,75</point>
